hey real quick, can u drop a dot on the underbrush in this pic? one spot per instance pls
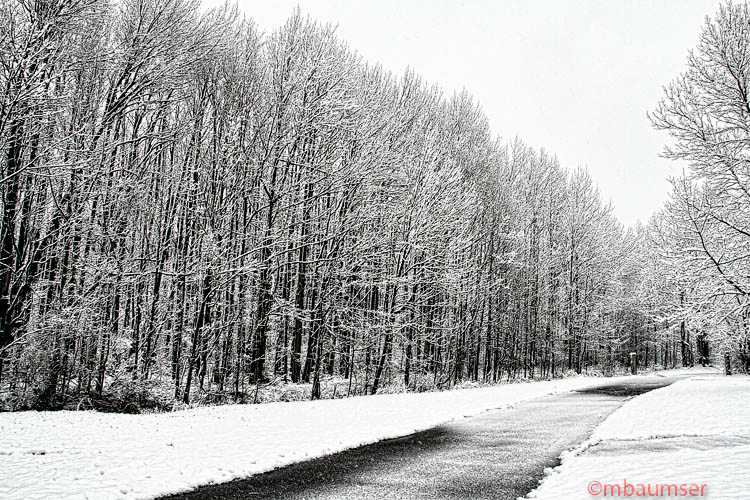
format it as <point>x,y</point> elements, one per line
<point>125,395</point>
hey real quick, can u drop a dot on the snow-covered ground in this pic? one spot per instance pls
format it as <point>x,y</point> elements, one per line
<point>694,432</point>
<point>88,455</point>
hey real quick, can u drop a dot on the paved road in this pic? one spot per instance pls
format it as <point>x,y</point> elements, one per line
<point>498,455</point>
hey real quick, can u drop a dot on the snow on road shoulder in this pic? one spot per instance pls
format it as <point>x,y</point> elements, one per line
<point>88,455</point>
<point>692,372</point>
<point>696,406</point>
<point>694,432</point>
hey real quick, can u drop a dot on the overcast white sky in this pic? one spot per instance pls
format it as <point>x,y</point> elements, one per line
<point>574,77</point>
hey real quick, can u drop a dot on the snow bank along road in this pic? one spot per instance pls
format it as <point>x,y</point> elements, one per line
<point>695,432</point>
<point>88,455</point>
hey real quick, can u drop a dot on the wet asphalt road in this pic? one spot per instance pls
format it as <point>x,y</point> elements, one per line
<point>498,455</point>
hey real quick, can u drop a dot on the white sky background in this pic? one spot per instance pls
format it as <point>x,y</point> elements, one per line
<point>574,77</point>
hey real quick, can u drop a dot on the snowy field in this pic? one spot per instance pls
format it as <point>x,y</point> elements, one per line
<point>88,455</point>
<point>694,432</point>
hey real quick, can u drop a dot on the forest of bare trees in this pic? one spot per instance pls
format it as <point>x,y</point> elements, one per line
<point>702,236</point>
<point>196,211</point>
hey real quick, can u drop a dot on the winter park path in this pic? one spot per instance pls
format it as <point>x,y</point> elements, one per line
<point>491,442</point>
<point>500,454</point>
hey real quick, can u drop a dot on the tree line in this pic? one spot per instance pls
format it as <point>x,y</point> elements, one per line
<point>700,240</point>
<point>194,210</point>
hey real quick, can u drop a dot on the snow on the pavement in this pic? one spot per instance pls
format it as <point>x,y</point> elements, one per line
<point>696,431</point>
<point>88,455</point>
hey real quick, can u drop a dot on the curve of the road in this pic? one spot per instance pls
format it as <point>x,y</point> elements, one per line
<point>498,455</point>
